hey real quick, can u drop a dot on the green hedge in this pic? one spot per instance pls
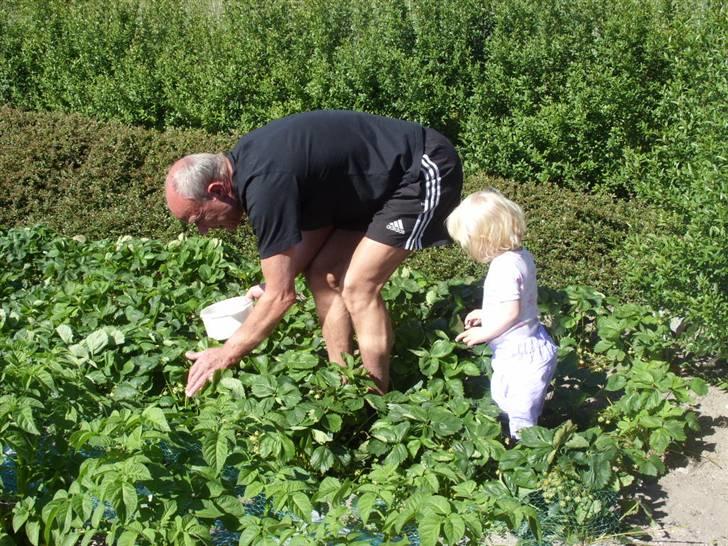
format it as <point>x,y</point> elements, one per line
<point>561,91</point>
<point>686,171</point>
<point>80,176</point>
<point>625,97</point>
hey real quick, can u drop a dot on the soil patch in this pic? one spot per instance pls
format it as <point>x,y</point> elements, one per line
<point>689,504</point>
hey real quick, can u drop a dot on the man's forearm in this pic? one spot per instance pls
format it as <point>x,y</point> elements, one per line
<point>265,316</point>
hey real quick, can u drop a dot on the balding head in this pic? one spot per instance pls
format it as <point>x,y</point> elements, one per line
<point>191,176</point>
<point>199,189</point>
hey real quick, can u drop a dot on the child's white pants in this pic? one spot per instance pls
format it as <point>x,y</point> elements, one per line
<point>522,371</point>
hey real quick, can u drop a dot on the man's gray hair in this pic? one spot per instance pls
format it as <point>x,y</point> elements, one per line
<point>195,172</point>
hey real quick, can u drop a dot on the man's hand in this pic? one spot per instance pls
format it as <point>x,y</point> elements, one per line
<point>206,363</point>
<point>473,336</point>
<point>256,291</point>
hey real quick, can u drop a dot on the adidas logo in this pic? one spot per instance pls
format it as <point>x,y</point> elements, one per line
<point>397,226</point>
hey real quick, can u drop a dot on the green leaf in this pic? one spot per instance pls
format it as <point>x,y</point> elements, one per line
<point>364,506</point>
<point>659,440</point>
<point>397,456</point>
<point>32,530</point>
<point>322,459</point>
<point>616,382</point>
<point>71,538</point>
<point>230,505</point>
<point>428,366</point>
<point>699,386</point>
<point>50,512</point>
<point>328,488</point>
<point>441,348</point>
<point>253,490</point>
<point>439,505</point>
<point>263,386</point>
<point>209,510</point>
<point>97,515</point>
<point>24,419</point>
<point>302,360</point>
<point>134,315</point>
<point>125,391</point>
<point>651,466</point>
<point>116,335</point>
<point>577,441</point>
<point>429,530</point>
<point>215,449</point>
<point>129,496</point>
<point>333,422</point>
<point>65,333</point>
<point>650,421</point>
<point>248,535</point>
<point>384,432</point>
<point>234,385</point>
<point>453,528</point>
<point>537,437</point>
<point>127,538</point>
<point>676,429</point>
<point>97,342</point>
<point>471,369</point>
<point>599,473</point>
<point>444,423</point>
<point>321,437</point>
<point>270,445</point>
<point>302,506</point>
<point>156,416</point>
<point>19,518</point>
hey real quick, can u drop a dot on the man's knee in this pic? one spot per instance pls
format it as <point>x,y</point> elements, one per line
<point>322,278</point>
<point>357,293</point>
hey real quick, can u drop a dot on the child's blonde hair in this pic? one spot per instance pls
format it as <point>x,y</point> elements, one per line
<point>486,224</point>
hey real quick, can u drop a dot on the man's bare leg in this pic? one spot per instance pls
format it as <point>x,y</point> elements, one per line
<point>325,276</point>
<point>370,267</point>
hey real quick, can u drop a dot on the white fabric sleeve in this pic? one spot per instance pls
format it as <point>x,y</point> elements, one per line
<point>504,281</point>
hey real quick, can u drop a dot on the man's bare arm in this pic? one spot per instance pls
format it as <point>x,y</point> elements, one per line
<point>279,272</point>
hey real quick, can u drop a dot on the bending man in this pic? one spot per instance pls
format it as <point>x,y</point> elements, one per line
<point>342,197</point>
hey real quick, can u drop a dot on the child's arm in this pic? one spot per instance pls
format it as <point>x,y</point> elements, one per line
<point>499,318</point>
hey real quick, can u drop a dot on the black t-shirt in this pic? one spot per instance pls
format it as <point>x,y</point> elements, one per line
<point>322,168</point>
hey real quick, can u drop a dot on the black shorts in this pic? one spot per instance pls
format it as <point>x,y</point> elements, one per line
<point>413,217</point>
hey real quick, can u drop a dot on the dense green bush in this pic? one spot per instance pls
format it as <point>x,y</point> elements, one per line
<point>575,238</point>
<point>686,171</point>
<point>556,91</point>
<point>625,97</point>
<point>80,176</point>
<point>234,65</point>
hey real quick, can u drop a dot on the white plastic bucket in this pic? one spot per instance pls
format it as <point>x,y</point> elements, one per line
<point>223,318</point>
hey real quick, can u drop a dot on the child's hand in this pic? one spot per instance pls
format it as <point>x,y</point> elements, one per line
<point>473,336</point>
<point>473,318</point>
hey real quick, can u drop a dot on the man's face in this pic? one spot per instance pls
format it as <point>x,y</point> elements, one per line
<point>220,211</point>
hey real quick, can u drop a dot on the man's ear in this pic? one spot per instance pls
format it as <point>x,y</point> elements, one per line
<point>218,189</point>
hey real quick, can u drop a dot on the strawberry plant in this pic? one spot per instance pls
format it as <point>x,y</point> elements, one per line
<point>98,442</point>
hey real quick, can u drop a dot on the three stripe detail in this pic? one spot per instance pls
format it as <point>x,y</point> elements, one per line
<point>432,198</point>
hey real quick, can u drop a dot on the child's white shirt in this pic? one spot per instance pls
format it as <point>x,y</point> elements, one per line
<point>511,277</point>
